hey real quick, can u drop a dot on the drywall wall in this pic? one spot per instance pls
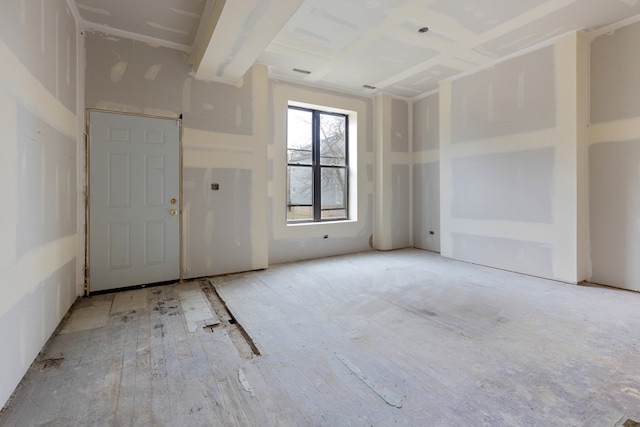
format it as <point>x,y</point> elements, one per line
<point>224,142</point>
<point>392,213</point>
<point>38,179</point>
<point>305,241</point>
<point>426,173</point>
<point>511,163</point>
<point>614,158</point>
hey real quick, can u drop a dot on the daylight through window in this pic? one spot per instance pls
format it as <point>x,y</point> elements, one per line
<point>317,165</point>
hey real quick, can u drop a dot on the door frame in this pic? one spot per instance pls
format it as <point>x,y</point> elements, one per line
<point>87,189</point>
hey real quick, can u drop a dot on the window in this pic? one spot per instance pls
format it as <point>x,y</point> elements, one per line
<point>317,165</point>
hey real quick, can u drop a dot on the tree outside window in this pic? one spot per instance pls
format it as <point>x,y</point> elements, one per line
<point>317,168</point>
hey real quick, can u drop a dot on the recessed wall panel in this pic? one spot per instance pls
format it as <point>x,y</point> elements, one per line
<point>154,242</point>
<point>119,240</point>
<point>119,135</point>
<point>154,181</point>
<point>153,137</point>
<point>119,180</point>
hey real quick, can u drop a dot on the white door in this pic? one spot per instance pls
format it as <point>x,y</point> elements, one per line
<point>134,200</point>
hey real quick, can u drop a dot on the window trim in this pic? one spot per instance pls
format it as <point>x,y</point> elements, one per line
<point>317,166</point>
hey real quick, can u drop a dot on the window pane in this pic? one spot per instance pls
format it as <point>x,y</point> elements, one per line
<point>334,192</point>
<point>299,129</point>
<point>299,213</point>
<point>332,139</point>
<point>334,214</point>
<point>301,157</point>
<point>300,185</point>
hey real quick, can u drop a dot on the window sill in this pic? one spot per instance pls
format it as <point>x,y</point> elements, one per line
<point>315,224</point>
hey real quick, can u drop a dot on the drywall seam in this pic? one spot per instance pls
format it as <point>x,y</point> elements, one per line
<point>425,95</point>
<point>382,236</point>
<point>16,80</point>
<point>565,262</point>
<point>207,160</point>
<point>80,158</point>
<point>73,8</point>
<point>216,141</point>
<point>397,158</point>
<point>34,267</point>
<point>615,131</point>
<point>583,69</point>
<point>446,189</point>
<point>516,230</point>
<point>92,26</point>
<point>612,27</point>
<point>428,156</point>
<point>410,161</point>
<point>259,204</point>
<point>9,179</point>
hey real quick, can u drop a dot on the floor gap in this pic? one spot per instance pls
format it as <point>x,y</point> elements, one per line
<point>239,336</point>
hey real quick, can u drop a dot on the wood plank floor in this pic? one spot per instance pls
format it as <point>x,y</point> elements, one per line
<point>401,338</point>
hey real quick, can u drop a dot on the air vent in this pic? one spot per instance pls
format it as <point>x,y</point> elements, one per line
<point>368,87</point>
<point>298,70</point>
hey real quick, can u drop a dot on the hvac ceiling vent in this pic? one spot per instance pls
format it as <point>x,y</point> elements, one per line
<point>368,87</point>
<point>298,70</point>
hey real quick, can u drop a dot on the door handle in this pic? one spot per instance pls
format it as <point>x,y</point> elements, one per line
<point>173,212</point>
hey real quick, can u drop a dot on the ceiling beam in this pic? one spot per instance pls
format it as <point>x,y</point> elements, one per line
<point>234,33</point>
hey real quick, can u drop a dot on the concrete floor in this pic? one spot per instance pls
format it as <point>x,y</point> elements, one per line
<point>374,339</point>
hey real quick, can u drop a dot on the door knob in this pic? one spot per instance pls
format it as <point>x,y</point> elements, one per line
<point>173,212</point>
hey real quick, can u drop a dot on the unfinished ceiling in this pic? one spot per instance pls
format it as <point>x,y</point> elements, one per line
<point>349,44</point>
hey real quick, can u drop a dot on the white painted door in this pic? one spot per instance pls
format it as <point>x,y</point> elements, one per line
<point>134,200</point>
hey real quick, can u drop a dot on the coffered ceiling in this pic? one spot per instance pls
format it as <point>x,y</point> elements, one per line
<point>400,47</point>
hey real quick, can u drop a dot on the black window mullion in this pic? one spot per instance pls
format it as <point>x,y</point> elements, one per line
<point>317,191</point>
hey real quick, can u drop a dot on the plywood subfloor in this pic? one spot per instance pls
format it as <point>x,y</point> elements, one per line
<point>374,339</point>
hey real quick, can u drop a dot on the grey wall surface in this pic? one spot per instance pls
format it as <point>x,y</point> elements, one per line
<point>426,123</point>
<point>426,206</point>
<point>399,126</point>
<point>400,211</point>
<point>515,96</point>
<point>510,175</point>
<point>46,183</point>
<point>130,76</point>
<point>38,155</point>
<point>42,35</point>
<point>614,75</point>
<point>514,186</point>
<point>614,159</point>
<point>215,220</point>
<point>426,173</point>
<point>614,213</point>
<point>510,254</point>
